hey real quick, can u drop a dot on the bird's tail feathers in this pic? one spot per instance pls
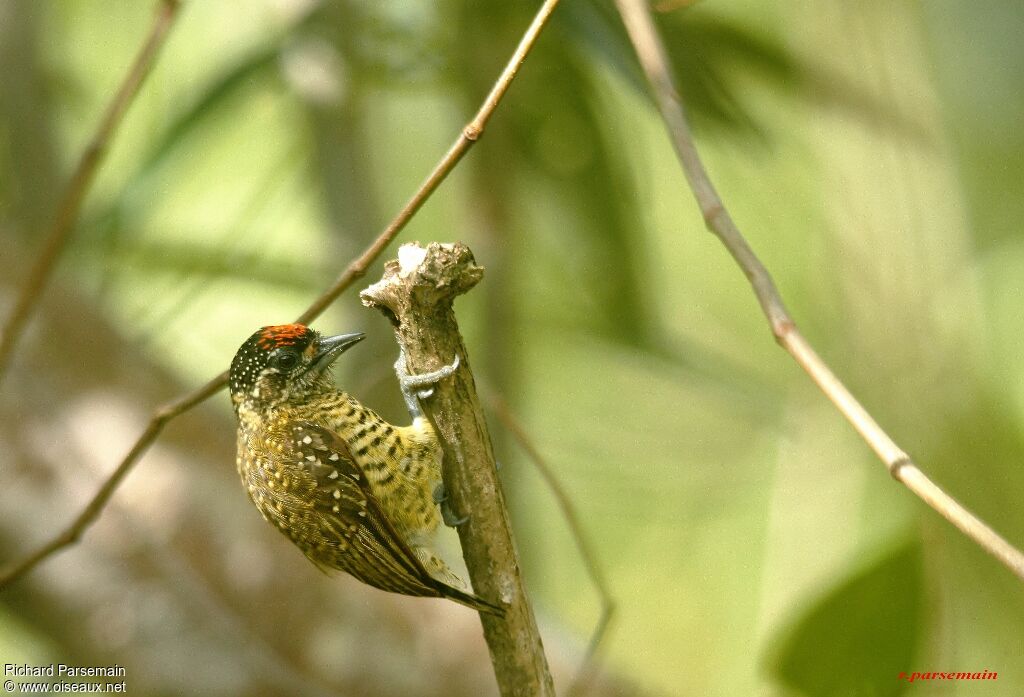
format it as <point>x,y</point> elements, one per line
<point>469,600</point>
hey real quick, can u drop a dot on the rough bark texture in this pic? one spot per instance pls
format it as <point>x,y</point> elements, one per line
<point>180,580</point>
<point>416,293</point>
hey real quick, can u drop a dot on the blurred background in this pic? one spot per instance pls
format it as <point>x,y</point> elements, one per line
<point>873,154</point>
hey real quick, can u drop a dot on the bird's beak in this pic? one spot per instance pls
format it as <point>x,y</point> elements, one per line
<point>330,347</point>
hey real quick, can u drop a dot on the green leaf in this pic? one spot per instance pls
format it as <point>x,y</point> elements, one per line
<point>857,639</point>
<point>212,97</point>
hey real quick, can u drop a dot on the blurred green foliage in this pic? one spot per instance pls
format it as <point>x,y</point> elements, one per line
<point>871,151</point>
<point>866,631</point>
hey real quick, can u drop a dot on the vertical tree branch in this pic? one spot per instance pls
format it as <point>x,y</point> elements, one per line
<point>354,270</point>
<point>586,549</point>
<point>416,294</point>
<point>644,36</point>
<point>71,202</point>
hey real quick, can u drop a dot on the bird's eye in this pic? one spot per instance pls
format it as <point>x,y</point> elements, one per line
<point>284,360</point>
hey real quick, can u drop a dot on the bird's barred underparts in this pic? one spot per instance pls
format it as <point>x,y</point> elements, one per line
<point>352,491</point>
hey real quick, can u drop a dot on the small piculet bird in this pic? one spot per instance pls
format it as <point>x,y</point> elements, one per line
<point>349,489</point>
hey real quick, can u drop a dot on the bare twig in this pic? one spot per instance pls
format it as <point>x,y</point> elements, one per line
<point>470,134</point>
<point>651,51</point>
<point>71,203</point>
<point>583,544</point>
<point>74,531</point>
<point>416,293</point>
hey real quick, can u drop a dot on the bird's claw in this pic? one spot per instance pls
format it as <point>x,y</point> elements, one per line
<point>449,517</point>
<point>447,514</point>
<point>417,387</point>
<point>424,379</point>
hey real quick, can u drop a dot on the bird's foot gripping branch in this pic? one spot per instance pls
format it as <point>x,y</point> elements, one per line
<point>417,293</point>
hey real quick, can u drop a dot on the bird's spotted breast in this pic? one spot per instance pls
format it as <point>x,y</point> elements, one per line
<point>353,492</point>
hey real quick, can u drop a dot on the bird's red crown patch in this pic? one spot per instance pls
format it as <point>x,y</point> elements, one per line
<point>282,335</point>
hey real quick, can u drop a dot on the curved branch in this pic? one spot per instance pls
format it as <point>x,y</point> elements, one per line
<point>653,58</point>
<point>71,203</point>
<point>73,532</point>
<point>416,294</point>
<point>469,135</point>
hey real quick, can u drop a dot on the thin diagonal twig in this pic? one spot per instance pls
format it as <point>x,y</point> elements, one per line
<point>471,132</point>
<point>586,549</point>
<point>469,135</point>
<point>74,195</point>
<point>651,51</point>
<point>416,293</point>
<point>83,520</point>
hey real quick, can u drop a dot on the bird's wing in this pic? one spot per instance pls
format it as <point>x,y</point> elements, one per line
<point>368,546</point>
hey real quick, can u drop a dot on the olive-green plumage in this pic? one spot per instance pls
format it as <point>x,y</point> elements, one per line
<point>352,491</point>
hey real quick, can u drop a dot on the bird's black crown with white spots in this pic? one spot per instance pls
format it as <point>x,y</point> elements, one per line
<point>275,364</point>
